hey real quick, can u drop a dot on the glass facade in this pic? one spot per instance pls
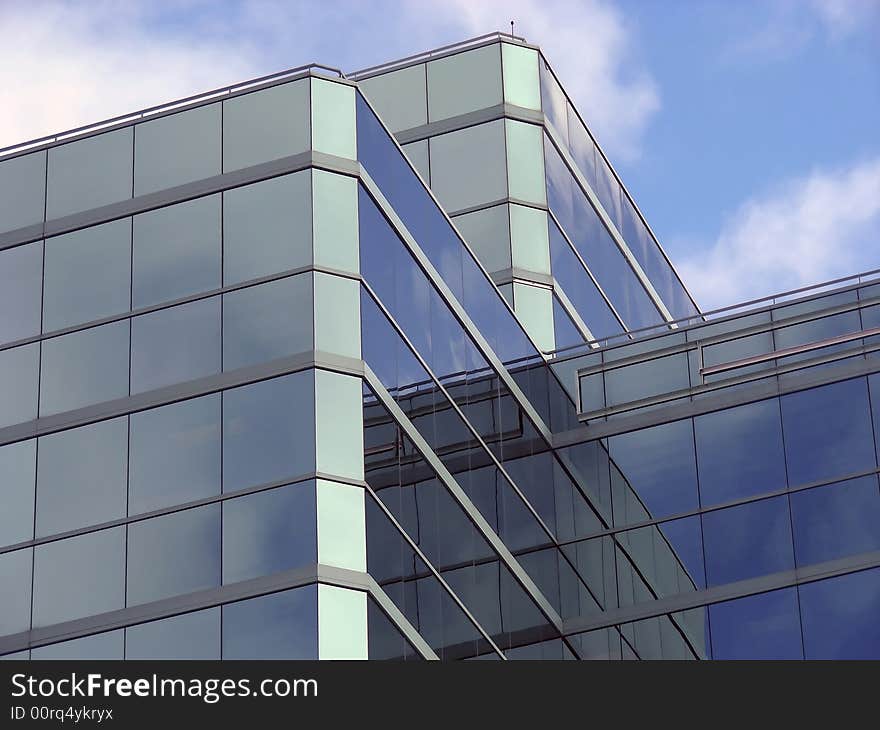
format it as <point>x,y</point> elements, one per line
<point>277,384</point>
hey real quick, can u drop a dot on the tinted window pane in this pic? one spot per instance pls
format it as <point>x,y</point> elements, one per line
<point>828,431</point>
<point>278,626</point>
<point>177,149</point>
<point>175,454</point>
<point>268,431</point>
<point>19,369</point>
<point>22,191</point>
<point>268,532</point>
<point>747,541</point>
<point>840,617</point>
<point>464,82</point>
<point>267,228</point>
<point>739,452</point>
<point>268,321</point>
<point>85,367</point>
<point>62,569</point>
<point>333,119</point>
<point>659,465</point>
<point>175,554</point>
<point>265,125</point>
<point>109,645</point>
<point>81,476</point>
<point>487,231</point>
<point>90,172</point>
<point>188,636</point>
<point>399,97</point>
<point>525,162</point>
<point>834,521</point>
<point>655,377</point>
<point>21,281</point>
<point>468,166</point>
<point>766,626</point>
<point>15,585</point>
<point>176,251</point>
<point>88,275</point>
<point>174,345</point>
<point>17,466</point>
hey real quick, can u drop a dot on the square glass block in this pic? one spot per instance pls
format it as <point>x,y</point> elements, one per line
<point>87,275</point>
<point>399,97</point>
<point>266,125</point>
<point>22,191</point>
<point>19,383</point>
<point>82,476</point>
<point>174,554</point>
<point>89,173</point>
<point>266,322</point>
<point>521,84</point>
<point>276,626</point>
<point>177,251</point>
<point>339,422</point>
<point>529,239</point>
<point>267,227</point>
<point>63,569</point>
<point>194,635</point>
<point>464,82</point>
<point>17,479</point>
<point>177,149</point>
<point>534,308</point>
<point>21,288</point>
<point>175,454</point>
<point>84,367</point>
<point>269,532</point>
<point>269,431</point>
<point>175,345</point>
<point>469,167</point>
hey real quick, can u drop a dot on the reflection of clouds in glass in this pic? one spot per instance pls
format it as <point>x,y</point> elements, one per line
<point>278,626</point>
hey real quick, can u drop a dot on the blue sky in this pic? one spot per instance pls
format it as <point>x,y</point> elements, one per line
<point>747,131</point>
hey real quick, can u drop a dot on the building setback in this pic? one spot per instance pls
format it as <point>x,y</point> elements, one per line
<point>390,366</point>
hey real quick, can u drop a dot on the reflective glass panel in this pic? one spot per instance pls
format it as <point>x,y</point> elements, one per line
<point>15,580</point>
<point>766,626</point>
<point>17,478</point>
<point>277,626</point>
<point>193,635</point>
<point>22,191</point>
<point>21,282</point>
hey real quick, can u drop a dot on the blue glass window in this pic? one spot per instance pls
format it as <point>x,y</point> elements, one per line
<point>747,541</point>
<point>277,626</point>
<point>828,431</point>
<point>766,626</point>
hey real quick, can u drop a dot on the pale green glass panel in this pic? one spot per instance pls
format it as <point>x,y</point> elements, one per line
<point>342,539</point>
<point>417,153</point>
<point>468,166</point>
<point>342,623</point>
<point>177,149</point>
<point>507,292</point>
<point>334,130</point>
<point>521,84</point>
<point>337,315</point>
<point>464,83</point>
<point>267,227</point>
<point>89,173</point>
<point>525,162</point>
<point>22,191</point>
<point>339,424</point>
<point>265,125</point>
<point>335,220</point>
<point>534,309</point>
<point>529,242</point>
<point>487,231</point>
<point>399,97</point>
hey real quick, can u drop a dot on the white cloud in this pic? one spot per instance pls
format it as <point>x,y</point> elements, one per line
<point>843,17</point>
<point>823,226</point>
<point>68,63</point>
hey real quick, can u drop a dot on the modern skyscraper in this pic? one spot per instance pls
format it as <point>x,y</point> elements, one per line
<point>389,365</point>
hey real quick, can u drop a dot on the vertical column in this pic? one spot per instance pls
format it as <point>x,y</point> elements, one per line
<point>339,439</point>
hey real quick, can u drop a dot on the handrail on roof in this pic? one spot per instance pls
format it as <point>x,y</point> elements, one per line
<point>703,317</point>
<point>132,116</point>
<point>389,65</point>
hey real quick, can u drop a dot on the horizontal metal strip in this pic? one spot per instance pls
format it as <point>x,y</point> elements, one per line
<point>470,119</point>
<point>494,204</point>
<point>718,594</point>
<point>766,388</point>
<point>179,194</point>
<point>173,509</point>
<point>787,351</point>
<point>180,391</point>
<point>177,302</point>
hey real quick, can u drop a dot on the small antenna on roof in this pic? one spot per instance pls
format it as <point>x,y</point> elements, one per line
<point>511,29</point>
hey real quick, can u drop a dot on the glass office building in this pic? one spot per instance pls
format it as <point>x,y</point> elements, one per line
<point>390,366</point>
